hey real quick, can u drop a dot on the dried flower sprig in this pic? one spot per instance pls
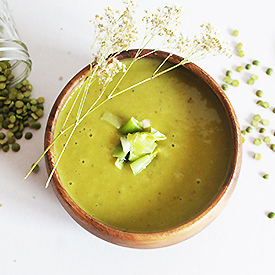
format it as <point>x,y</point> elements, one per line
<point>115,32</point>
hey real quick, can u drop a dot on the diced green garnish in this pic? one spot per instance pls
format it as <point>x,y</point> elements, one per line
<point>131,126</point>
<point>141,163</point>
<point>146,123</point>
<point>141,143</point>
<point>138,143</point>
<point>157,134</point>
<point>126,144</point>
<point>112,119</point>
<point>119,163</point>
<point>119,153</point>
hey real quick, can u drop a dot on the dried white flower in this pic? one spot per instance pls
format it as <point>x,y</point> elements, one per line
<point>114,32</point>
<point>208,42</point>
<point>108,70</point>
<point>164,22</point>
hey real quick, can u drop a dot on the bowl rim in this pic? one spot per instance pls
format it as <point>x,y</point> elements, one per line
<point>151,239</point>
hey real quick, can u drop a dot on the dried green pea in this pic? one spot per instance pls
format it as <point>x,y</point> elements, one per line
<point>19,104</point>
<point>254,76</point>
<point>235,83</point>
<point>269,71</point>
<point>20,96</point>
<point>256,62</point>
<point>225,87</point>
<point>257,117</point>
<point>5,93</point>
<point>255,123</point>
<point>11,140</point>
<point>28,135</point>
<point>18,135</point>
<point>2,86</point>
<point>34,116</point>
<point>2,78</point>
<point>10,134</point>
<point>7,102</point>
<point>15,147</point>
<point>15,129</point>
<point>36,168</point>
<point>33,101</point>
<point>267,140</point>
<point>239,69</point>
<point>265,122</point>
<point>5,148</point>
<point>7,72</point>
<point>34,108</point>
<point>12,119</point>
<point>29,87</point>
<point>257,141</point>
<point>27,94</point>
<point>39,112</point>
<point>248,129</point>
<point>240,53</point>
<point>239,46</point>
<point>40,100</point>
<point>12,95</point>
<point>265,105</point>
<point>271,215</point>
<point>36,125</point>
<point>250,81</point>
<point>257,156</point>
<point>235,33</point>
<point>228,73</point>
<point>41,106</point>
<point>259,93</point>
<point>227,79</point>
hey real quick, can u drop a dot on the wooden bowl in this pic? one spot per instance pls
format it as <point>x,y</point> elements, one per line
<point>157,239</point>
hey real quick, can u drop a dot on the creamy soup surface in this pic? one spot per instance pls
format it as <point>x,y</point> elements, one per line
<point>181,181</point>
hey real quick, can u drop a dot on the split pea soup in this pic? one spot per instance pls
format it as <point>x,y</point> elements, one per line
<point>179,183</point>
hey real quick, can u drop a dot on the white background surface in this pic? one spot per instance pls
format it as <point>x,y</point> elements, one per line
<point>37,236</point>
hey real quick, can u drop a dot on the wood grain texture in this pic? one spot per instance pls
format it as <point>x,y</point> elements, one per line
<point>158,239</point>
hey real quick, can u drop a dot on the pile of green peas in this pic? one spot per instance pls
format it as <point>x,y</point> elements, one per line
<point>18,110</point>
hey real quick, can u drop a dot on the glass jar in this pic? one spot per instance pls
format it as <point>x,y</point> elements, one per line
<point>12,49</point>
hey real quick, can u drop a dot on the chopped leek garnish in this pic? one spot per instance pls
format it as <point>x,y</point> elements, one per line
<point>119,163</point>
<point>126,144</point>
<point>146,123</point>
<point>142,143</point>
<point>112,119</point>
<point>141,163</point>
<point>119,153</point>
<point>137,143</point>
<point>157,134</point>
<point>131,126</point>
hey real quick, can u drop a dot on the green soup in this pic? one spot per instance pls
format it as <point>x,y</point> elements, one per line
<point>180,182</point>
